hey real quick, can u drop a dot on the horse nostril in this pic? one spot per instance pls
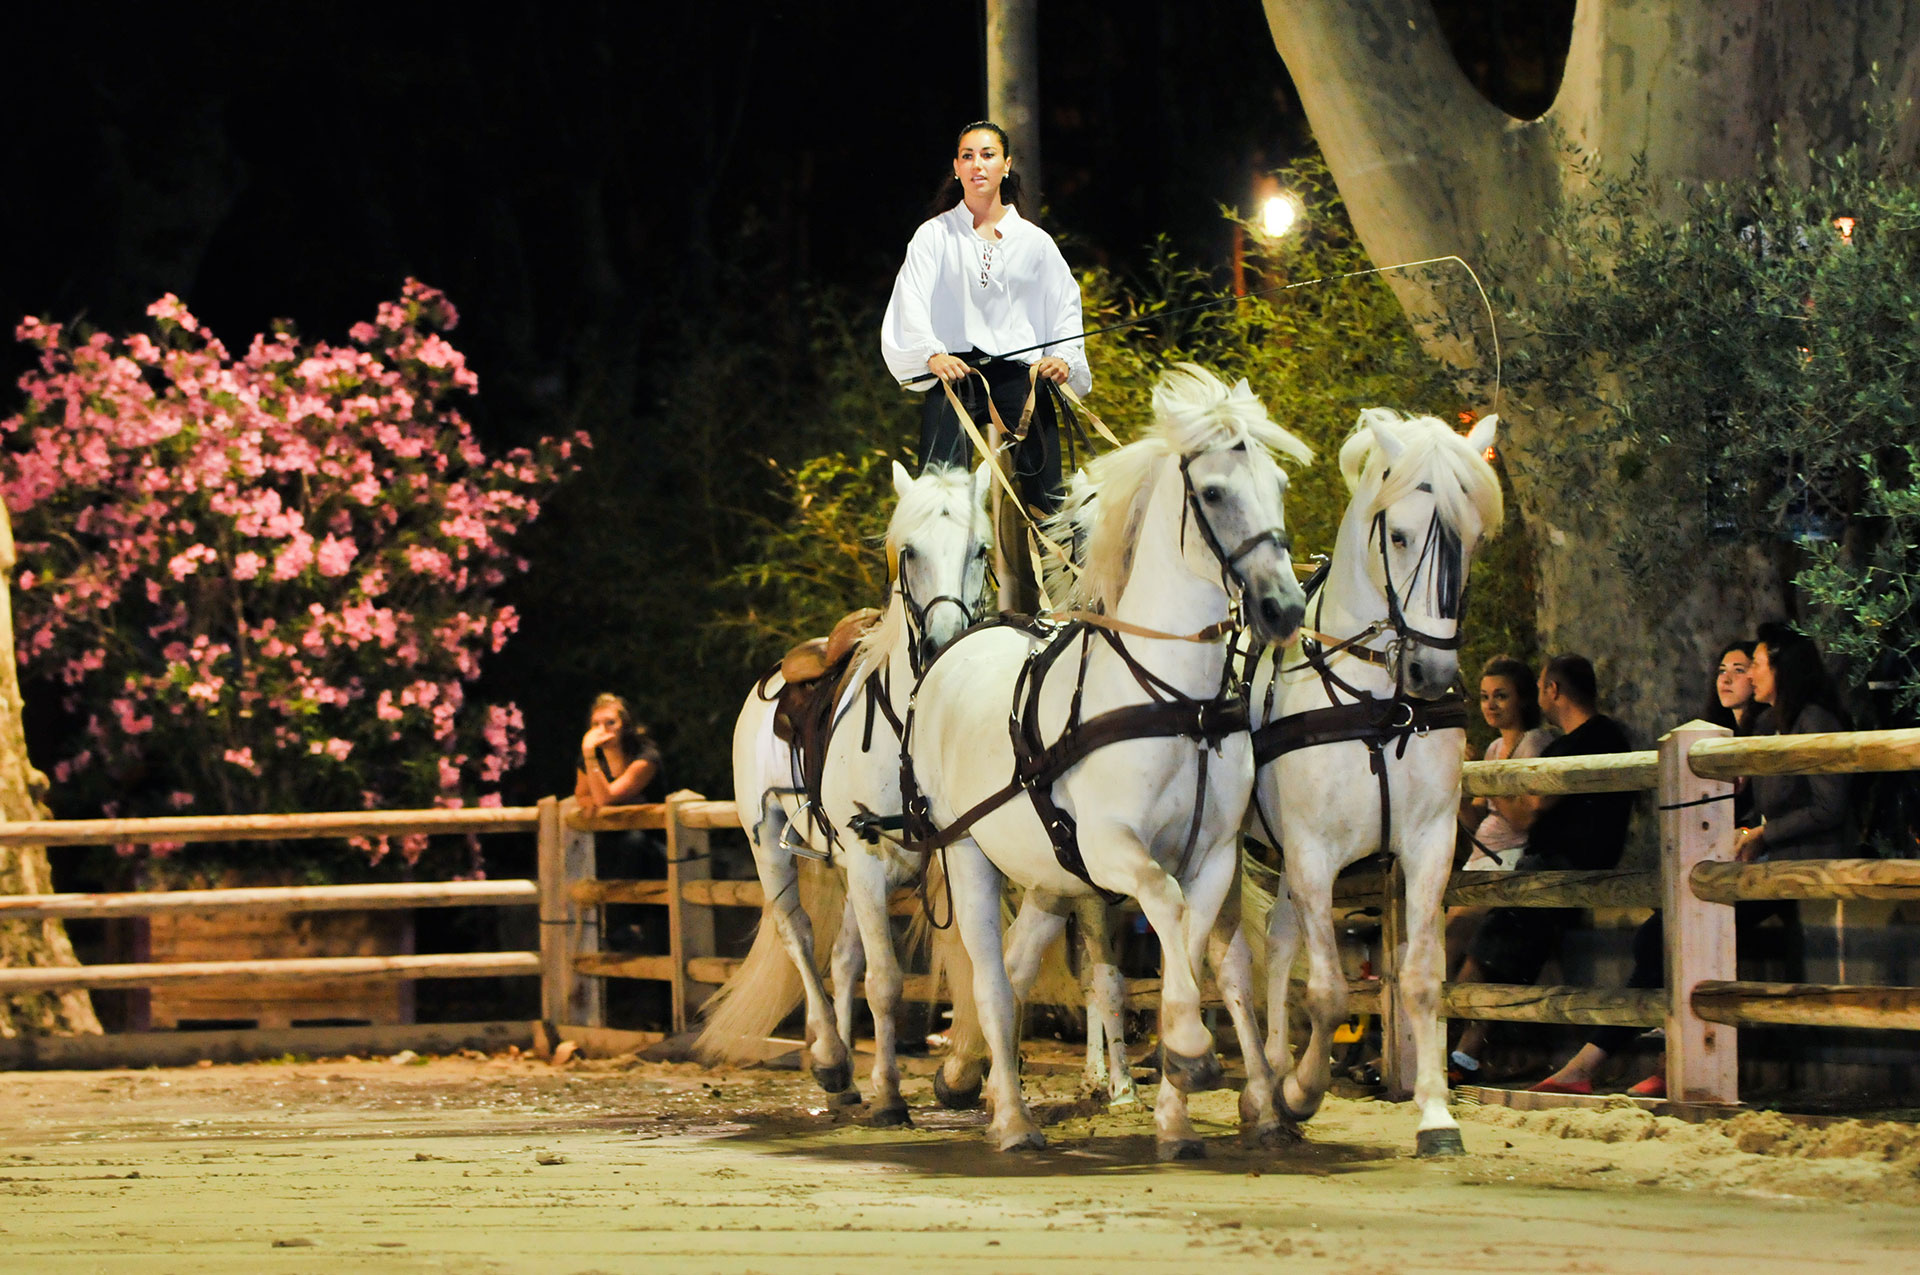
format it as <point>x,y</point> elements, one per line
<point>1270,611</point>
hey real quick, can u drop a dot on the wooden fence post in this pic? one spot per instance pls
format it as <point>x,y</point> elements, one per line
<point>1399,1062</point>
<point>1696,825</point>
<point>566,998</point>
<point>689,928</point>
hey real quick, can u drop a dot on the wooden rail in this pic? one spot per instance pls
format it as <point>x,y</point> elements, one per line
<point>331,823</point>
<point>298,898</point>
<point>294,970</point>
<point>1807,879</point>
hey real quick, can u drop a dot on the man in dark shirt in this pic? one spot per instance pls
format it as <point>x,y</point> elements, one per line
<point>1584,831</point>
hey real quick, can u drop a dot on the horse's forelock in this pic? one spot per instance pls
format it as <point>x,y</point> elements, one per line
<point>1466,491</point>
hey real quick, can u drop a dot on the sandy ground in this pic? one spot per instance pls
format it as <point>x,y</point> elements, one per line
<point>506,1164</point>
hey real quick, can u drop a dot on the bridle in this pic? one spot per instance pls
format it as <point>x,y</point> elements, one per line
<point>1443,549</point>
<point>1231,580</point>
<point>917,611</point>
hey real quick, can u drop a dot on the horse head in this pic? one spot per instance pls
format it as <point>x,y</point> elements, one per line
<point>1424,497</point>
<point>938,546</point>
<point>1235,495</point>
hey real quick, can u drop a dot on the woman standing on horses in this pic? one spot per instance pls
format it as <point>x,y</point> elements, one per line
<point>981,281</point>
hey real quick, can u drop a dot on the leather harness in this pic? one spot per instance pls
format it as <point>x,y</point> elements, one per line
<point>1377,722</point>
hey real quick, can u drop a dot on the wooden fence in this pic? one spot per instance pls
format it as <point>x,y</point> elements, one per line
<point>1702,1008</point>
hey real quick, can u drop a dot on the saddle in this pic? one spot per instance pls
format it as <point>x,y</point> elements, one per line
<point>813,674</point>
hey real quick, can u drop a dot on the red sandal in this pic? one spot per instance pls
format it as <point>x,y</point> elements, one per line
<point>1654,1086</point>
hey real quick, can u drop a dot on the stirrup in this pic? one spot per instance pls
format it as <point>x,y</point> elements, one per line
<point>796,847</point>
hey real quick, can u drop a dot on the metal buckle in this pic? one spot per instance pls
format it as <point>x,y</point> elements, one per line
<point>1406,707</point>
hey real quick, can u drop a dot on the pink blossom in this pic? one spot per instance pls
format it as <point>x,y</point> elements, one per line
<point>243,758</point>
<point>247,564</point>
<point>336,555</point>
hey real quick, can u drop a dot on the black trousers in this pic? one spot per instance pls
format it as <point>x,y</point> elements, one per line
<point>1035,460</point>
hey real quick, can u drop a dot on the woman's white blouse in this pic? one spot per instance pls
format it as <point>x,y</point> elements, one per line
<point>941,306</point>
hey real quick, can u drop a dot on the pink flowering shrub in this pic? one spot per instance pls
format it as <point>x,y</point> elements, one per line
<point>265,583</point>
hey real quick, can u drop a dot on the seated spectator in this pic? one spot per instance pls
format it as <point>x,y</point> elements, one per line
<point>1564,831</point>
<point>618,764</point>
<point>1510,703</point>
<point>1730,703</point>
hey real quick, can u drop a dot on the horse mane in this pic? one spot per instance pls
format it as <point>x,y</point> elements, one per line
<point>1194,411</point>
<point>1466,491</point>
<point>941,491</point>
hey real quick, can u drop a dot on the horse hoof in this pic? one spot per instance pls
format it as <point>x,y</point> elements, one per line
<point>1191,1075</point>
<point>893,1117</point>
<point>1274,1137</point>
<point>837,1079</point>
<point>954,1099</point>
<point>1030,1141</point>
<point>1180,1149</point>
<point>848,1097</point>
<point>1438,1142</point>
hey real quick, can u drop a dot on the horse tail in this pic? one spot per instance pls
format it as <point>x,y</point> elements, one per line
<point>947,961</point>
<point>766,987</point>
<point>1257,899</point>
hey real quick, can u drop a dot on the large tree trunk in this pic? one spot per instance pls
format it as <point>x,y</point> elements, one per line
<point>1428,167</point>
<point>25,870</point>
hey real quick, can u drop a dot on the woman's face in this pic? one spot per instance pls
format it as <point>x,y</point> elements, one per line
<point>980,164</point>
<point>1500,703</point>
<point>1734,680</point>
<point>1761,672</point>
<point>607,719</point>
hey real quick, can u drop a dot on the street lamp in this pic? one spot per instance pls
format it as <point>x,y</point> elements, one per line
<point>1279,212</point>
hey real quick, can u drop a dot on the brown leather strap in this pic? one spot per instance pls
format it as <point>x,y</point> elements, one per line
<point>1371,721</point>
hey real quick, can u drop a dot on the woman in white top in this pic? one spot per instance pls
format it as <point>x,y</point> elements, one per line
<point>981,281</point>
<point>1510,703</point>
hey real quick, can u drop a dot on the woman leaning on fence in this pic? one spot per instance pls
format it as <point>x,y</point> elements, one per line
<point>618,763</point>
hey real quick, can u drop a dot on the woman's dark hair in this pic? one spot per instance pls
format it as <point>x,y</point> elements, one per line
<point>632,733</point>
<point>949,193</point>
<point>1799,677</point>
<point>1524,686</point>
<point>1740,723</point>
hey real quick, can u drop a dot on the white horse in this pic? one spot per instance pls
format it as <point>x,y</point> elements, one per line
<point>1142,764</point>
<point>938,545</point>
<point>1382,640</point>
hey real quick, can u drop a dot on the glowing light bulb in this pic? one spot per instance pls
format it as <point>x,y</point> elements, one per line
<point>1278,215</point>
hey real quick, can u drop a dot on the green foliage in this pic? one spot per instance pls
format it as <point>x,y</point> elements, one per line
<point>1750,374</point>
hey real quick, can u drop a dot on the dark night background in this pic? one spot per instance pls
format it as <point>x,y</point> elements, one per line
<point>587,181</point>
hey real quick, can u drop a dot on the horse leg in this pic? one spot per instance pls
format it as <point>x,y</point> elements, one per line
<point>1036,927</point>
<point>1174,1135</point>
<point>1283,942</point>
<point>867,900</point>
<point>976,888</point>
<point>780,882</point>
<point>849,967</point>
<point>1108,1066</point>
<point>1186,1046</point>
<point>1311,885</point>
<point>1426,873</point>
<point>1260,1123</point>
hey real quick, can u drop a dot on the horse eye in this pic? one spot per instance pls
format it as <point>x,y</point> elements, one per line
<point>982,552</point>
<point>1399,539</point>
<point>1212,495</point>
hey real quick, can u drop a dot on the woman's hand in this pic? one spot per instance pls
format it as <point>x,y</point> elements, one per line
<point>597,737</point>
<point>1055,370</point>
<point>947,368</point>
<point>1747,843</point>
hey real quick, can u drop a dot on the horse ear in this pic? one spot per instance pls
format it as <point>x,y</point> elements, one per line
<point>1377,419</point>
<point>902,480</point>
<point>1480,437</point>
<point>982,483</point>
